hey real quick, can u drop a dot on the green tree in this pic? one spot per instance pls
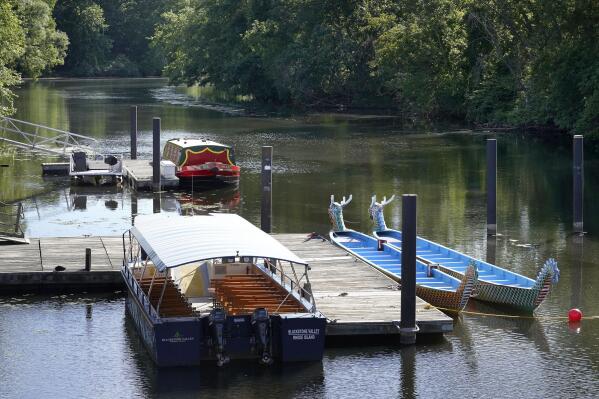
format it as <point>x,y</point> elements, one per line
<point>12,38</point>
<point>84,23</point>
<point>420,55</point>
<point>45,46</point>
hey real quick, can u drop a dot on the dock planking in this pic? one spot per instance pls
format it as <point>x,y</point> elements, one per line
<point>32,267</point>
<point>138,173</point>
<point>355,298</point>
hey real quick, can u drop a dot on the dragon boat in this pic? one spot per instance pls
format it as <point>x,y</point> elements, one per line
<point>213,288</point>
<point>434,286</point>
<point>495,284</point>
<point>202,162</point>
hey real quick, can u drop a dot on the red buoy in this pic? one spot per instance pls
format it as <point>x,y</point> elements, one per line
<point>574,315</point>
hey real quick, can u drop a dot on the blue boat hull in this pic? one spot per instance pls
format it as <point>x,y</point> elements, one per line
<point>185,341</point>
<point>495,285</point>
<point>438,289</point>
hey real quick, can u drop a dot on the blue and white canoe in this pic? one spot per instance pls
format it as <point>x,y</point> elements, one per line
<point>495,284</point>
<point>435,287</point>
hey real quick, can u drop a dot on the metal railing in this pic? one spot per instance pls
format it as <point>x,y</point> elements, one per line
<point>38,137</point>
<point>292,285</point>
<point>11,218</point>
<point>133,263</point>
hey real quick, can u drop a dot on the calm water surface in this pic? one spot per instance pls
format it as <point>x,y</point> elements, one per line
<point>82,346</point>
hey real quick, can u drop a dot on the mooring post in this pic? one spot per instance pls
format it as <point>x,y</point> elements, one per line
<point>266,209</point>
<point>491,187</point>
<point>407,325</point>
<point>156,153</point>
<point>133,126</point>
<point>578,176</point>
<point>88,259</point>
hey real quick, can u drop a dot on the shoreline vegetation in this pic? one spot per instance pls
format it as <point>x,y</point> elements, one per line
<point>524,65</point>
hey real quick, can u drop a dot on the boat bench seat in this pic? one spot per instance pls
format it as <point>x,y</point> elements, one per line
<point>242,294</point>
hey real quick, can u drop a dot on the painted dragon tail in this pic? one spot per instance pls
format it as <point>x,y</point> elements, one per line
<point>467,285</point>
<point>547,276</point>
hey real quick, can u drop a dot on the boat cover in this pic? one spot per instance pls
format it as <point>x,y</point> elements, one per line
<point>174,240</point>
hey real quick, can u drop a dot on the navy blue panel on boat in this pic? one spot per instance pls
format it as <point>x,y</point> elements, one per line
<point>450,259</point>
<point>301,337</point>
<point>239,335</point>
<point>389,260</point>
<point>178,343</point>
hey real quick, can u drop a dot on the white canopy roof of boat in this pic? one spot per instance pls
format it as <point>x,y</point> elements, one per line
<point>173,240</point>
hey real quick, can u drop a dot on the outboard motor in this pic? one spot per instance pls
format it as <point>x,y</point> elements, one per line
<point>261,325</point>
<point>216,321</point>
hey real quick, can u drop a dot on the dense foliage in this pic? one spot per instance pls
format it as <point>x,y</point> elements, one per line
<point>109,37</point>
<point>30,44</point>
<point>497,62</point>
<point>490,61</point>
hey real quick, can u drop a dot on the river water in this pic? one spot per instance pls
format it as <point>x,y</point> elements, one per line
<point>83,346</point>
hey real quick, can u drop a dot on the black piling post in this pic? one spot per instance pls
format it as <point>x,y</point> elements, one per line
<point>156,153</point>
<point>578,176</point>
<point>133,126</point>
<point>407,325</point>
<point>88,259</point>
<point>491,187</point>
<point>266,209</point>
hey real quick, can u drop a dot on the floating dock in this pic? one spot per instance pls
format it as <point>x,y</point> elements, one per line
<point>355,298</point>
<point>136,172</point>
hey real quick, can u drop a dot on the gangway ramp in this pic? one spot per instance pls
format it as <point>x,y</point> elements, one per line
<point>36,137</point>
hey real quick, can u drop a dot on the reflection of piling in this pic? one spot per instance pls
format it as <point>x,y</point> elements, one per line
<point>18,222</point>
<point>88,259</point>
<point>156,153</point>
<point>407,324</point>
<point>266,208</point>
<point>156,202</point>
<point>133,126</point>
<point>578,176</point>
<point>133,206</point>
<point>408,372</point>
<point>491,249</point>
<point>576,270</point>
<point>491,186</point>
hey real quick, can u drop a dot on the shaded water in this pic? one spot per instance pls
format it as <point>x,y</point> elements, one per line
<point>82,346</point>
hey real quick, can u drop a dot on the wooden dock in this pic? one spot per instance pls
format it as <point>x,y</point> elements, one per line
<point>355,298</point>
<point>57,263</point>
<point>138,173</point>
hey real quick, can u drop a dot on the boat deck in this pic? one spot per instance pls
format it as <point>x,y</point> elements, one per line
<point>355,298</point>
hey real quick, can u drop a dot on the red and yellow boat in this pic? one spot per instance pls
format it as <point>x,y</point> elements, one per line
<point>202,161</point>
